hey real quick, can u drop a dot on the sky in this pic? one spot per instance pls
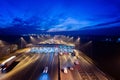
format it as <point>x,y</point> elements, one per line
<point>60,15</point>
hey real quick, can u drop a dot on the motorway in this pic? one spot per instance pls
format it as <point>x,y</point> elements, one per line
<point>31,66</point>
<point>84,71</point>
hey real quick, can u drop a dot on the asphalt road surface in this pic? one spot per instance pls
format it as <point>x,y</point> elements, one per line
<point>31,66</point>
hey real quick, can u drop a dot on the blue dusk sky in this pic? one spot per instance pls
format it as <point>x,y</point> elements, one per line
<point>60,15</point>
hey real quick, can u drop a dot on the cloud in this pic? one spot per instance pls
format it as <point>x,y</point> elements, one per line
<point>68,25</point>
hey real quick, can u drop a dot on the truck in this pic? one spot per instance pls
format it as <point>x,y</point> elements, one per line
<point>5,64</point>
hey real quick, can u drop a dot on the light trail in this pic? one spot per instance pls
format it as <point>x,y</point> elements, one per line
<point>27,61</point>
<point>32,64</point>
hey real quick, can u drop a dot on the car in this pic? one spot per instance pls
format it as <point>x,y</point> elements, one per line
<point>65,70</point>
<point>72,54</point>
<point>76,62</point>
<point>71,68</point>
<point>61,53</point>
<point>45,69</point>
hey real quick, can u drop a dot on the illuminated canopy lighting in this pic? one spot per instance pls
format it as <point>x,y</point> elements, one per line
<point>32,39</point>
<point>23,41</point>
<point>78,39</point>
<point>38,36</point>
<point>86,44</point>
